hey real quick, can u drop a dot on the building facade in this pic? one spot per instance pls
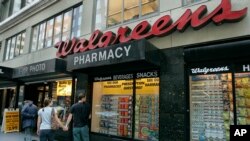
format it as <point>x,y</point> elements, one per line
<point>152,69</point>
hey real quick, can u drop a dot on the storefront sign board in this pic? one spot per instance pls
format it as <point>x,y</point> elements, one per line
<point>11,120</point>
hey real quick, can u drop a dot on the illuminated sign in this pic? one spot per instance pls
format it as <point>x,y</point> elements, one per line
<point>162,27</point>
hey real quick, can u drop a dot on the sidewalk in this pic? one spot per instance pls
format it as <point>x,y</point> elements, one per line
<point>15,136</point>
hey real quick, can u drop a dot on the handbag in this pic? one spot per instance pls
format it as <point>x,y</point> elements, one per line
<point>54,125</point>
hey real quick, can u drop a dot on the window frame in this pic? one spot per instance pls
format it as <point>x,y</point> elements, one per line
<point>9,43</point>
<point>123,21</point>
<point>134,95</point>
<point>53,32</point>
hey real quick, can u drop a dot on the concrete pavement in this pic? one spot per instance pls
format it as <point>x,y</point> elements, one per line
<point>15,136</point>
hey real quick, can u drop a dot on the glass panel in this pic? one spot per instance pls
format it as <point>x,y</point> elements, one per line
<point>18,44</point>
<point>114,12</point>
<point>40,99</point>
<point>101,14</point>
<point>147,109</point>
<point>61,93</point>
<point>22,43</point>
<point>67,18</point>
<point>131,9</point>
<point>211,106</point>
<point>49,33</point>
<point>41,35</point>
<point>8,49</point>
<point>57,29</point>
<point>27,2</point>
<point>242,90</point>
<point>16,6</point>
<point>12,49</point>
<point>149,6</point>
<point>35,38</point>
<point>77,21</point>
<point>112,108</point>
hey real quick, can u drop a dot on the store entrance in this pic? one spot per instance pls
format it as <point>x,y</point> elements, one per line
<point>37,93</point>
<point>7,100</point>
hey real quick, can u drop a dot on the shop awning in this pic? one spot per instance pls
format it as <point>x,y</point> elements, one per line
<point>129,56</point>
<point>41,71</point>
<point>218,51</point>
<point>6,77</point>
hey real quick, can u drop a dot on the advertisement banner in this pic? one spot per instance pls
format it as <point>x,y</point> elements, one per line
<point>11,120</point>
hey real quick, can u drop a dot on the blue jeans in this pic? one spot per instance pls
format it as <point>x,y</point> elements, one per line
<point>81,133</point>
<point>28,133</point>
<point>46,135</point>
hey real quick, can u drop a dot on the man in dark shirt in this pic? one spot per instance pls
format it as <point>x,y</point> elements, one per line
<point>80,113</point>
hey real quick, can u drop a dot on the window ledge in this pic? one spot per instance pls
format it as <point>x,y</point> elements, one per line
<point>25,13</point>
<point>194,3</point>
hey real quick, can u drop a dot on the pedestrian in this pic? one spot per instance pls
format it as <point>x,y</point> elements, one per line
<point>44,130</point>
<point>29,113</point>
<point>81,113</point>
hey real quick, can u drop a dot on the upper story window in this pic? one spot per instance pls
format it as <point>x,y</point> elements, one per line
<point>0,46</point>
<point>10,7</point>
<point>113,12</point>
<point>16,5</point>
<point>187,2</point>
<point>65,25</point>
<point>14,46</point>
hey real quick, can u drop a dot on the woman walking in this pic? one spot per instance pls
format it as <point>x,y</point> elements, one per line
<point>44,121</point>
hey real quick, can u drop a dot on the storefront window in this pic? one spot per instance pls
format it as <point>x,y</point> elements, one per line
<point>120,11</point>
<point>61,95</point>
<point>49,33</point>
<point>211,106</point>
<point>242,90</point>
<point>67,18</point>
<point>147,109</point>
<point>112,108</point>
<point>112,105</point>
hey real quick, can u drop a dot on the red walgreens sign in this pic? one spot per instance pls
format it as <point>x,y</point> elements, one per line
<point>162,27</point>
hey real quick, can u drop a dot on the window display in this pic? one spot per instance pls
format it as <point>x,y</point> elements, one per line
<point>112,105</point>
<point>242,91</point>
<point>147,109</point>
<point>211,105</point>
